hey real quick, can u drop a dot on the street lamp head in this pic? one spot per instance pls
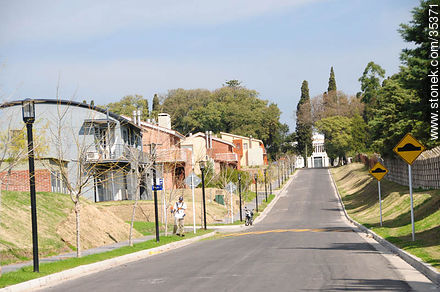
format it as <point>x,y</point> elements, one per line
<point>239,176</point>
<point>28,110</point>
<point>202,165</point>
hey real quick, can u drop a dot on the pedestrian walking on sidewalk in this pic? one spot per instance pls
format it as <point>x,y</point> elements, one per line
<point>179,214</point>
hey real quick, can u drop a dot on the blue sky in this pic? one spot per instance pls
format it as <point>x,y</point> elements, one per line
<point>103,50</point>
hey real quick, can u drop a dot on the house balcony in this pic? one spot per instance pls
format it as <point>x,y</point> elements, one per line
<point>170,155</point>
<point>226,157</point>
<point>115,153</point>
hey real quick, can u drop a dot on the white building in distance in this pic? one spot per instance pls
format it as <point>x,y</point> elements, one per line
<point>319,157</point>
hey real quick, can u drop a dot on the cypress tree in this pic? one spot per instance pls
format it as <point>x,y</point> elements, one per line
<point>304,122</point>
<point>156,103</point>
<point>331,81</point>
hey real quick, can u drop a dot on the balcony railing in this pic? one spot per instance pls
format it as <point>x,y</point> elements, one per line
<point>226,157</point>
<point>170,155</point>
<point>117,152</point>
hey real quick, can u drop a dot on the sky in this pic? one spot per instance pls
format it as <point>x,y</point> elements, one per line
<point>104,50</point>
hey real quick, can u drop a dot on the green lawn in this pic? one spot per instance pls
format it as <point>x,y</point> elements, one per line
<point>149,228</point>
<point>25,274</point>
<point>360,196</point>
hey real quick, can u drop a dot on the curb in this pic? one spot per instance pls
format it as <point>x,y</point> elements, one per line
<point>84,270</point>
<point>271,204</point>
<point>414,261</point>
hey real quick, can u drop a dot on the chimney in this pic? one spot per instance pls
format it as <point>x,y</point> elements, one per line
<point>207,140</point>
<point>250,141</point>
<point>164,120</point>
<point>134,119</point>
<point>210,139</point>
<point>138,117</point>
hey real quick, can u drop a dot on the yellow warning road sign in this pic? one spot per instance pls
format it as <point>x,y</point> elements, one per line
<point>409,148</point>
<point>378,171</point>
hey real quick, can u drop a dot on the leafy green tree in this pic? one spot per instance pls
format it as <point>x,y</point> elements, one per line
<point>128,104</point>
<point>304,122</point>
<point>393,117</point>
<point>233,83</point>
<point>331,81</point>
<point>179,102</point>
<point>156,104</point>
<point>416,67</point>
<point>359,135</point>
<point>370,82</point>
<point>370,85</point>
<point>338,138</point>
<point>235,110</point>
<point>155,110</point>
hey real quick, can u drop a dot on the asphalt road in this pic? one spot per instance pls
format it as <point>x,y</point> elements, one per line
<point>302,245</point>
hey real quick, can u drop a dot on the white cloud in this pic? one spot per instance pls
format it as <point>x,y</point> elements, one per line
<point>76,20</point>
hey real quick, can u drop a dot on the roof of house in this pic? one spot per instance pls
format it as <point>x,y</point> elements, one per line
<point>117,117</point>
<point>243,137</point>
<point>159,128</point>
<point>200,134</point>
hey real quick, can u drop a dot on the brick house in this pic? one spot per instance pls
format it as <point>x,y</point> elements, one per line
<point>206,147</point>
<point>173,162</point>
<point>250,151</point>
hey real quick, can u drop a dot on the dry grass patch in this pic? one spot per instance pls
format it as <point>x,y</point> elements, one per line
<point>360,195</point>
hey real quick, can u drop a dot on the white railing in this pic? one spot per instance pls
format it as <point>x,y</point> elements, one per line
<point>117,152</point>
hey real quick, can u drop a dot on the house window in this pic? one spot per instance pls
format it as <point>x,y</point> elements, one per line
<point>245,146</point>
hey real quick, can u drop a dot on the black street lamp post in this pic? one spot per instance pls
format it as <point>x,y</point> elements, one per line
<point>28,110</point>
<point>156,211</point>
<point>256,192</point>
<point>265,184</point>
<point>202,169</point>
<point>239,194</point>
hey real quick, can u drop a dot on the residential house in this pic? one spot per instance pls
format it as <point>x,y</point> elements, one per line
<point>251,151</point>
<point>207,147</point>
<point>173,163</point>
<point>84,139</point>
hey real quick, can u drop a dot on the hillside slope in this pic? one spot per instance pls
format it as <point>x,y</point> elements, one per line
<point>56,226</point>
<point>360,195</point>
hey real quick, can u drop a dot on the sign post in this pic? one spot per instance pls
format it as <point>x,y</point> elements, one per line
<point>378,171</point>
<point>409,149</point>
<point>230,187</point>
<point>193,181</point>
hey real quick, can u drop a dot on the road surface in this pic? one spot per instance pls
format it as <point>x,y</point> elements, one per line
<point>302,245</point>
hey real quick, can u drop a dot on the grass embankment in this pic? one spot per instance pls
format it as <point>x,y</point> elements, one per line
<point>360,196</point>
<point>15,227</point>
<point>56,226</point>
<point>26,273</point>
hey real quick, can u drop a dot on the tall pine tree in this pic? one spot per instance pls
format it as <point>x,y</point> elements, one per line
<point>304,122</point>
<point>331,81</point>
<point>156,104</point>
